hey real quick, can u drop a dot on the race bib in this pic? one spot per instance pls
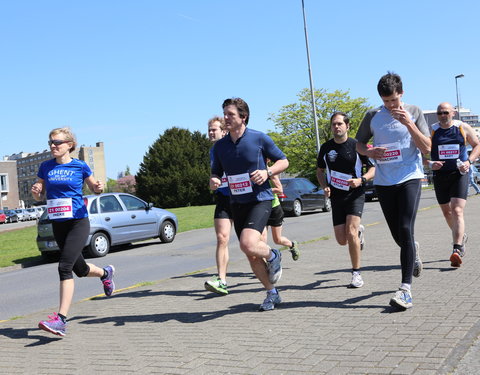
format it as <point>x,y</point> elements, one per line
<point>224,182</point>
<point>393,154</point>
<point>339,180</point>
<point>448,151</point>
<point>240,184</point>
<point>60,208</point>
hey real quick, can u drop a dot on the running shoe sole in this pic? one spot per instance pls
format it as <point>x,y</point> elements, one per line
<point>48,329</point>
<point>455,260</point>
<point>394,303</point>
<point>212,289</point>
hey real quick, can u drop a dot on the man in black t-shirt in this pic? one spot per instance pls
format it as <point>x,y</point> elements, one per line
<point>339,173</point>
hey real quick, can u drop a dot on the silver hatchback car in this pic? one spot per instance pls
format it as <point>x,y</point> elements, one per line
<point>115,219</point>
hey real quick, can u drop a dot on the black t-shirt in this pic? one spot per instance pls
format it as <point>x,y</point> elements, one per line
<point>342,162</point>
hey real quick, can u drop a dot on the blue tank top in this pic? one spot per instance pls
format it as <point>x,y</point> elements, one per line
<point>448,145</point>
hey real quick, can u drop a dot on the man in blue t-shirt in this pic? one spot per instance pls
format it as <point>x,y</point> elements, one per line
<point>242,155</point>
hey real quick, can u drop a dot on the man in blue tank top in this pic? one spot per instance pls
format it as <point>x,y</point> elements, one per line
<point>449,147</point>
<point>242,156</point>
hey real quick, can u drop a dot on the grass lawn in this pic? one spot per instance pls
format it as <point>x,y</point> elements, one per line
<point>20,246</point>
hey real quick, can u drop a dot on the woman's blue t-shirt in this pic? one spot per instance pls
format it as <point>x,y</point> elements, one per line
<point>66,181</point>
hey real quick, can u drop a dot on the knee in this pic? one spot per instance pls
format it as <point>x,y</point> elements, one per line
<point>65,271</point>
<point>247,245</point>
<point>222,239</point>
<point>457,212</point>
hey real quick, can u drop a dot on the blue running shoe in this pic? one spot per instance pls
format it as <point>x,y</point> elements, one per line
<point>54,325</point>
<point>107,280</point>
<point>274,267</point>
<point>402,299</point>
<point>270,302</point>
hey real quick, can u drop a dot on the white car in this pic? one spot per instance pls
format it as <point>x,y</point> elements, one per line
<point>31,213</point>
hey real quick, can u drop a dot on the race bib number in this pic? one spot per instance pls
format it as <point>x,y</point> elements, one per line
<point>339,180</point>
<point>60,208</point>
<point>224,181</point>
<point>240,184</point>
<point>393,154</point>
<point>448,151</point>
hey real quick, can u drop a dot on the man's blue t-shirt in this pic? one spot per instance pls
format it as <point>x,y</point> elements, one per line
<point>66,181</point>
<point>238,160</point>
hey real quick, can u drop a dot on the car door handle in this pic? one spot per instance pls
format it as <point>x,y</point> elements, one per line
<point>107,218</point>
<point>133,216</point>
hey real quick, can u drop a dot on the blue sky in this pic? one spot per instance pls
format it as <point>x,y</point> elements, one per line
<point>122,71</point>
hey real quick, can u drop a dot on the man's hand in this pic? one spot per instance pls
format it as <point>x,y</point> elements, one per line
<point>215,183</point>
<point>354,182</point>
<point>401,115</point>
<point>326,192</point>
<point>376,152</point>
<point>436,165</point>
<point>259,176</point>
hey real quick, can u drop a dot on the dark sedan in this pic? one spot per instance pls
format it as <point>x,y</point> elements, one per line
<point>12,216</point>
<point>300,195</point>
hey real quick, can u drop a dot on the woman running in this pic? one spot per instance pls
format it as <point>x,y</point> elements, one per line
<point>62,179</point>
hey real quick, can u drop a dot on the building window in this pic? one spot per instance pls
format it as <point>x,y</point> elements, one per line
<point>3,182</point>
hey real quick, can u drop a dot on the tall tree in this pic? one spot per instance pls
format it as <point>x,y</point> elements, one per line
<point>175,170</point>
<point>296,136</point>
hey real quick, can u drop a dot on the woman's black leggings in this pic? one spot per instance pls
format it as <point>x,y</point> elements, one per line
<point>399,205</point>
<point>71,236</point>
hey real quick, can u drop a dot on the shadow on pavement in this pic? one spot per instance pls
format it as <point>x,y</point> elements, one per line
<point>23,334</point>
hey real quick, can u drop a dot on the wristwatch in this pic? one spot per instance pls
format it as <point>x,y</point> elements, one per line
<point>269,172</point>
<point>364,181</point>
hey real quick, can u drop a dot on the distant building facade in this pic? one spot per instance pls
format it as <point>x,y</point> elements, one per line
<point>9,185</point>
<point>27,165</point>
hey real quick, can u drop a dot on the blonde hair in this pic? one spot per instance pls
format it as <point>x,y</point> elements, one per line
<point>221,120</point>
<point>69,136</point>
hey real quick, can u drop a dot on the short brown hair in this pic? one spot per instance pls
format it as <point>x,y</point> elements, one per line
<point>69,136</point>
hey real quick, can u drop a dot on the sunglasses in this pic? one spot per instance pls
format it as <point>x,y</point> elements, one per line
<point>56,142</point>
<point>443,113</point>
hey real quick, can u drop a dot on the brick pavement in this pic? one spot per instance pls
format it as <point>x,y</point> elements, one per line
<point>173,326</point>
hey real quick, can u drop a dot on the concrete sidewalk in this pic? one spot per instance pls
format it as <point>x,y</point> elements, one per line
<point>174,326</point>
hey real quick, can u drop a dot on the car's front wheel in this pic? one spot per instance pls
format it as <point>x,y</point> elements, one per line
<point>99,245</point>
<point>167,231</point>
<point>297,208</point>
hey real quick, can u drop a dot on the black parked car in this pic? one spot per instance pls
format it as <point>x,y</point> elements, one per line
<point>12,216</point>
<point>300,194</point>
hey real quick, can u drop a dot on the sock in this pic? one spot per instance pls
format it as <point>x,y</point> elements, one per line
<point>224,282</point>
<point>274,291</point>
<point>272,257</point>
<point>105,274</point>
<point>356,270</point>
<point>406,286</point>
<point>457,246</point>
<point>63,317</point>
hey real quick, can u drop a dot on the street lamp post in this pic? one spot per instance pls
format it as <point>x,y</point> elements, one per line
<point>314,111</point>
<point>456,88</point>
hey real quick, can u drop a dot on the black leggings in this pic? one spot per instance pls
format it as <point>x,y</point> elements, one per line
<point>71,236</point>
<point>399,205</point>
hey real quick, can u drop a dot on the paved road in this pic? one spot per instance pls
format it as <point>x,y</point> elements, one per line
<point>173,326</point>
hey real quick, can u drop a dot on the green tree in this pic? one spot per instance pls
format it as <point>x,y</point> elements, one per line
<point>296,131</point>
<point>175,170</point>
<point>111,186</point>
